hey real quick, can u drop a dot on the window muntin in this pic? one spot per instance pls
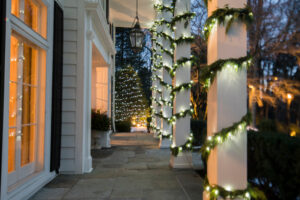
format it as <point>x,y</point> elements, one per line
<point>33,13</point>
<point>26,104</point>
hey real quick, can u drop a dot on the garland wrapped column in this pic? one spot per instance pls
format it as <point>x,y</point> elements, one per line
<point>227,102</point>
<point>153,126</point>
<point>182,74</point>
<point>166,64</point>
<point>158,73</point>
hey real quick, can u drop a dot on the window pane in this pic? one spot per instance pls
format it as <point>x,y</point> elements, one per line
<point>12,104</point>
<point>29,65</point>
<point>11,149</point>
<point>15,7</point>
<point>29,105</point>
<point>27,145</point>
<point>33,13</point>
<point>14,58</point>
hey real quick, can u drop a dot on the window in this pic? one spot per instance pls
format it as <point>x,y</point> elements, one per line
<point>26,108</point>
<point>102,88</point>
<point>33,13</point>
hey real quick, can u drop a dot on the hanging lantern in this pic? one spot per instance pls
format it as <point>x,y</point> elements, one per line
<point>136,35</point>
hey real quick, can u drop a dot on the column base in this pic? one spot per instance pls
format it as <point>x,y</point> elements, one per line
<point>165,143</point>
<point>155,135</point>
<point>88,166</point>
<point>182,161</point>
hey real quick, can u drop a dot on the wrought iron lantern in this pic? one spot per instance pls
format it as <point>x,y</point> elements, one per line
<point>136,35</point>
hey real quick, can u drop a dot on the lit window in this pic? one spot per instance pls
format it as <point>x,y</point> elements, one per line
<point>33,13</point>
<point>26,106</point>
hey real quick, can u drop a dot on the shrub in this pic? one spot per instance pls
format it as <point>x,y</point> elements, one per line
<point>100,121</point>
<point>267,125</point>
<point>274,164</point>
<point>198,128</point>
<point>148,123</point>
<point>123,126</point>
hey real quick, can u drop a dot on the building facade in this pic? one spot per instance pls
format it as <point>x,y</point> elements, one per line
<point>57,63</point>
<point>57,59</point>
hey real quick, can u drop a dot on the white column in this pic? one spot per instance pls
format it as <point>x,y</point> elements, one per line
<point>227,103</point>
<point>181,129</point>
<point>86,134</point>
<point>158,72</point>
<point>168,61</point>
<point>113,92</point>
<point>154,104</point>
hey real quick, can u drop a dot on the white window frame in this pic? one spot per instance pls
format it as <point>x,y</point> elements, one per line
<point>26,187</point>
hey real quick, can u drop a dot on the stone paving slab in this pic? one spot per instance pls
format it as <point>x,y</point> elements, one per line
<point>133,169</point>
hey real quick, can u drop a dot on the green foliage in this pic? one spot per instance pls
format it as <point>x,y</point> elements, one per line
<point>223,135</point>
<point>274,164</point>
<point>228,15</point>
<point>149,119</point>
<point>187,146</point>
<point>208,73</point>
<point>217,191</point>
<point>267,125</point>
<point>100,121</point>
<point>123,126</point>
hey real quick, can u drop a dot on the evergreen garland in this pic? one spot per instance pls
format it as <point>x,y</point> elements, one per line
<point>208,73</point>
<point>224,135</point>
<point>222,16</point>
<point>227,16</point>
<point>216,191</point>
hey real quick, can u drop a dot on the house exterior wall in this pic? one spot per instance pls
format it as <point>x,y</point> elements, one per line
<point>70,65</point>
<point>85,24</point>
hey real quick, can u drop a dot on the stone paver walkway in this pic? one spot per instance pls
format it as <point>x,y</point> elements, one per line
<point>134,168</point>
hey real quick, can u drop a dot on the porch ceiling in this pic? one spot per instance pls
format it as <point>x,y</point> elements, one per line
<point>122,12</point>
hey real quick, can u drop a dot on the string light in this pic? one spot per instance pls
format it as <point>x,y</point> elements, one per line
<point>207,77</point>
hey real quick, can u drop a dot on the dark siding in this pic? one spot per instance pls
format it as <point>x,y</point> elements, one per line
<point>57,88</point>
<point>107,11</point>
<point>2,62</point>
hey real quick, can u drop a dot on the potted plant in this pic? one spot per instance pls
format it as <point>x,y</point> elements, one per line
<point>100,130</point>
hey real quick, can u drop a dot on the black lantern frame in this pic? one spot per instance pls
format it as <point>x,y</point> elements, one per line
<point>136,35</point>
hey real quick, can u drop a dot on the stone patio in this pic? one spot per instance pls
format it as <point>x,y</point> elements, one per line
<point>134,168</point>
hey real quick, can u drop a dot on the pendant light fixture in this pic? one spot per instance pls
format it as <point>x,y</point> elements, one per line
<point>136,35</point>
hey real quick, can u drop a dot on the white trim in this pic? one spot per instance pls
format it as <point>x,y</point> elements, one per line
<point>79,91</point>
<point>20,28</point>
<point>92,29</point>
<point>4,167</point>
<point>36,181</point>
<point>28,189</point>
<point>99,19</point>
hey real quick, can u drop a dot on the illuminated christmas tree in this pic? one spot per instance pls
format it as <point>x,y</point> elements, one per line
<point>131,103</point>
